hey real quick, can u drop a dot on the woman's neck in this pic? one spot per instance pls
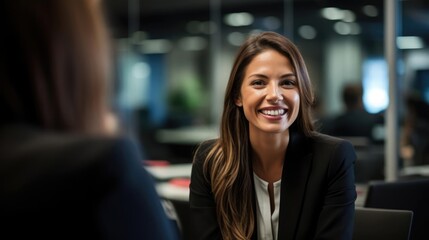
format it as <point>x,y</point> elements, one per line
<point>268,151</point>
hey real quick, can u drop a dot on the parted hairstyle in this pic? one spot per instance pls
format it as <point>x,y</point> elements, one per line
<point>54,64</point>
<point>228,164</point>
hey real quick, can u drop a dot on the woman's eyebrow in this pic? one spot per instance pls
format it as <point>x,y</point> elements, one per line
<point>259,75</point>
<point>289,75</point>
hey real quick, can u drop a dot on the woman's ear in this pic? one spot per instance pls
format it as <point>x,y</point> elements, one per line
<point>238,102</point>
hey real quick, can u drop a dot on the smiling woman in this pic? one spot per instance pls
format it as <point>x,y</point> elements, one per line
<point>269,95</point>
<point>270,175</point>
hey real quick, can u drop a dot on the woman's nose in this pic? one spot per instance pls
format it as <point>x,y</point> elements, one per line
<point>274,94</point>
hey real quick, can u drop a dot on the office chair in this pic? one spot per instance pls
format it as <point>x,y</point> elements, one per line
<point>380,224</point>
<point>410,195</point>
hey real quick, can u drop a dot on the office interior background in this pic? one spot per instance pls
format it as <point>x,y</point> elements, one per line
<point>173,58</point>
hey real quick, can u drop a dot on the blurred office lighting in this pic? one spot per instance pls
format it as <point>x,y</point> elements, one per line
<point>370,10</point>
<point>375,85</point>
<point>155,46</point>
<point>140,70</point>
<point>135,80</point>
<point>409,42</point>
<point>348,16</point>
<point>345,28</point>
<point>193,43</point>
<point>417,59</point>
<point>239,19</point>
<point>333,13</point>
<point>236,38</point>
<point>307,32</point>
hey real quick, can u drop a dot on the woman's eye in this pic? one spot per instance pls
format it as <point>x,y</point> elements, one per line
<point>288,83</point>
<point>258,83</point>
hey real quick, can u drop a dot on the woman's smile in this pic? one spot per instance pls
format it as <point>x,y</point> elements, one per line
<point>273,113</point>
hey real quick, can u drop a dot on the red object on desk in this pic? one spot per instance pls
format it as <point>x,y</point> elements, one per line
<point>180,182</point>
<point>156,163</point>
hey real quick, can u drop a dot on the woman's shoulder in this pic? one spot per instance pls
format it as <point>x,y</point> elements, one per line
<point>204,147</point>
<point>207,144</point>
<point>49,146</point>
<point>333,148</point>
<point>62,158</point>
<point>329,141</point>
<point>330,146</point>
<point>202,150</point>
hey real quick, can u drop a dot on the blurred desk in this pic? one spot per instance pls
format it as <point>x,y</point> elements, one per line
<point>163,173</point>
<point>187,135</point>
<point>172,185</point>
<point>173,192</point>
<point>168,178</point>
<point>361,191</point>
<point>422,170</point>
<point>182,142</point>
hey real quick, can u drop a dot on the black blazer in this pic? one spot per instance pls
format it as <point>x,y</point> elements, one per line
<point>58,186</point>
<point>317,191</point>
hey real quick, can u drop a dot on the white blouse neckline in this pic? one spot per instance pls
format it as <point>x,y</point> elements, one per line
<point>267,223</point>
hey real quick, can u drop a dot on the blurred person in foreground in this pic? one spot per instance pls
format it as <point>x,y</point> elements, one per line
<point>270,175</point>
<point>63,172</point>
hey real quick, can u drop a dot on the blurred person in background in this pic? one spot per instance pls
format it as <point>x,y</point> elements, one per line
<point>64,172</point>
<point>416,127</point>
<point>355,121</point>
<point>270,175</point>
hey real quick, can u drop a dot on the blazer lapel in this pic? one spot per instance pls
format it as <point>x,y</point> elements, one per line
<point>296,169</point>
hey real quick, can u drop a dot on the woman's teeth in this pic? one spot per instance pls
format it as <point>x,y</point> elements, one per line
<point>273,112</point>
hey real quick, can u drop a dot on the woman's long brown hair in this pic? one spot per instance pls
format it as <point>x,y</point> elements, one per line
<point>228,163</point>
<point>54,65</point>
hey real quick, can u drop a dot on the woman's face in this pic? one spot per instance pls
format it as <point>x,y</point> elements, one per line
<point>269,93</point>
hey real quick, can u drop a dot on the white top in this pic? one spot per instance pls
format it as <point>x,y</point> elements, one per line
<point>267,223</point>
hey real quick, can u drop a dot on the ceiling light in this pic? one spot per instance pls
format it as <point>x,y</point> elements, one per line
<point>348,16</point>
<point>140,70</point>
<point>236,38</point>
<point>238,19</point>
<point>332,13</point>
<point>342,28</point>
<point>370,10</point>
<point>307,32</point>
